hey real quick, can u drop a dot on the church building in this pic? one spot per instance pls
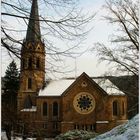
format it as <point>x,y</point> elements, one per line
<point>48,108</point>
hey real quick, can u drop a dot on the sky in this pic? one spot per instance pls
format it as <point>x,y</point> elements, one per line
<point>88,62</point>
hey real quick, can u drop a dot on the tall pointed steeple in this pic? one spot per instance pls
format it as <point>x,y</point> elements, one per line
<point>33,31</point>
<point>32,75</point>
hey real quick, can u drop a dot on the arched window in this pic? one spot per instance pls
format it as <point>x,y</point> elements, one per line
<point>45,109</point>
<point>30,62</point>
<point>55,109</point>
<point>115,108</point>
<point>37,63</point>
<point>29,83</point>
<point>28,102</point>
<point>123,107</point>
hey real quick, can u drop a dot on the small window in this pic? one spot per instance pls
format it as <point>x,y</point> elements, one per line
<point>45,125</point>
<point>55,125</point>
<point>115,108</point>
<point>84,84</point>
<point>86,127</point>
<point>45,109</point>
<point>29,83</point>
<point>55,109</point>
<point>76,126</point>
<point>91,127</point>
<point>83,127</point>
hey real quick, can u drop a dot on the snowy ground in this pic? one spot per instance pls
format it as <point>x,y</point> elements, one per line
<point>128,131</point>
<point>3,136</point>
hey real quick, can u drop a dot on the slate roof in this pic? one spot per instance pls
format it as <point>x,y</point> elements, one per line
<point>33,31</point>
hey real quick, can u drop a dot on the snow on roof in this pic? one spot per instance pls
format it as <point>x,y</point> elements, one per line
<point>33,109</point>
<point>108,86</point>
<point>102,121</point>
<point>56,87</point>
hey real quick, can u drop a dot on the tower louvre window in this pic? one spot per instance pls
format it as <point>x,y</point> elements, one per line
<point>29,83</point>
<point>30,62</point>
<point>45,109</point>
<point>37,63</point>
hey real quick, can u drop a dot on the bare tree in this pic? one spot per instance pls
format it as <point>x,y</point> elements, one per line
<point>124,50</point>
<point>123,54</point>
<point>59,19</point>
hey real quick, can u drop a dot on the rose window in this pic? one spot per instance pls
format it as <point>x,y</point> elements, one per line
<point>84,103</point>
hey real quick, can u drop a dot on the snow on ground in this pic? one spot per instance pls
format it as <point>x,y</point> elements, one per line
<point>127,131</point>
<point>3,136</point>
<point>20,138</point>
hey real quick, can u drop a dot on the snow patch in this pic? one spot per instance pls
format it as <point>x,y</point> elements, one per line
<point>3,136</point>
<point>102,121</point>
<point>33,109</point>
<point>127,131</point>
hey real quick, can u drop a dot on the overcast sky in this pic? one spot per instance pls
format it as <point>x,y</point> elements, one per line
<point>87,62</point>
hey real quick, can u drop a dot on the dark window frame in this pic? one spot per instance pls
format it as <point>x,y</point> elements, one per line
<point>29,83</point>
<point>55,125</point>
<point>123,107</point>
<point>115,108</point>
<point>45,125</point>
<point>30,62</point>
<point>38,63</point>
<point>55,109</point>
<point>45,109</point>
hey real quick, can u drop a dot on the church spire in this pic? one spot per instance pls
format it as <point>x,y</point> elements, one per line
<point>33,31</point>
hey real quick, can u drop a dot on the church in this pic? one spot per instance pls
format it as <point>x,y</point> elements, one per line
<point>48,108</point>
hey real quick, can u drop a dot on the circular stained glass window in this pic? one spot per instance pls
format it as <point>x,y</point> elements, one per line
<point>84,103</point>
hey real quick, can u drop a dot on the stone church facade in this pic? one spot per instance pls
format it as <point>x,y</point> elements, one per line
<point>56,106</point>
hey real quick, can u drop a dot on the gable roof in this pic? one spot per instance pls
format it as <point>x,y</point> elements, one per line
<point>93,82</point>
<point>60,87</point>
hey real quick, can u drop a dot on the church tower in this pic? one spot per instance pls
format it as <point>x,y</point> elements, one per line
<point>32,76</point>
